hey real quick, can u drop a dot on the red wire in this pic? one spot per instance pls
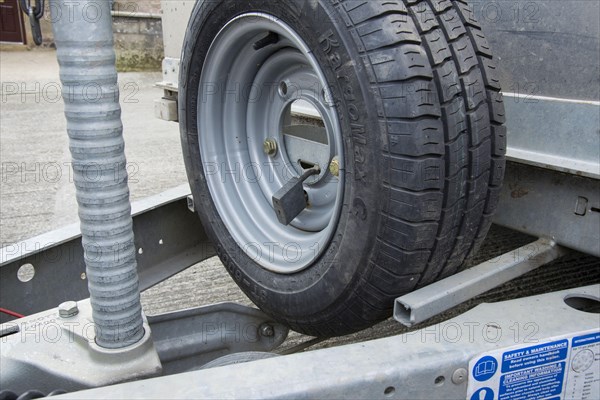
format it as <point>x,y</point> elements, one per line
<point>11,313</point>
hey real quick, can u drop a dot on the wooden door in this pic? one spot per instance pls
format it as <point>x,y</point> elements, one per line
<point>11,22</point>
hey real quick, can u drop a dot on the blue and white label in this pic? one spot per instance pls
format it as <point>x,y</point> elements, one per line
<point>536,355</point>
<point>584,340</point>
<point>483,394</point>
<point>535,383</point>
<point>558,369</point>
<point>485,368</point>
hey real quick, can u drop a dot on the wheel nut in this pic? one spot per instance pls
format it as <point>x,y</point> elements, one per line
<point>68,309</point>
<point>270,147</point>
<point>334,167</point>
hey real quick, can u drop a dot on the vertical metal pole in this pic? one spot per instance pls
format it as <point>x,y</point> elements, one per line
<point>84,41</point>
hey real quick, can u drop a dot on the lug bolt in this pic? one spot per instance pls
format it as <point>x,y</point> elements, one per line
<point>270,147</point>
<point>334,167</point>
<point>267,330</point>
<point>68,309</point>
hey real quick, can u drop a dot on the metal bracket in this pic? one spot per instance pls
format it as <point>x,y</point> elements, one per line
<point>440,296</point>
<point>431,363</point>
<point>61,353</point>
<point>542,202</point>
<point>59,349</point>
<point>188,339</point>
<point>174,243</point>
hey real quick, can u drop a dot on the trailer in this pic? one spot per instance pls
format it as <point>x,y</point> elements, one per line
<point>89,338</point>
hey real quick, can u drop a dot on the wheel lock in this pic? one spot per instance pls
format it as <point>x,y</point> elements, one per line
<point>291,199</point>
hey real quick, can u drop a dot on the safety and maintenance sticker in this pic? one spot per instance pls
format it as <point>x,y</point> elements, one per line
<point>561,368</point>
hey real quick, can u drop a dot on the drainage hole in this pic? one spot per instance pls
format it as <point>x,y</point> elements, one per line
<point>585,304</point>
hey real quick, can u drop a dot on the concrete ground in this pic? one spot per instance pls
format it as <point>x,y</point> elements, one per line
<point>37,194</point>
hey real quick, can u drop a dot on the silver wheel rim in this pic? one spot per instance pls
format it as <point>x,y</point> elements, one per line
<point>244,99</point>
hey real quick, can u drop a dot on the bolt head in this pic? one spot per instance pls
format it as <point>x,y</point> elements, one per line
<point>68,309</point>
<point>334,167</point>
<point>267,330</point>
<point>270,147</point>
<point>459,376</point>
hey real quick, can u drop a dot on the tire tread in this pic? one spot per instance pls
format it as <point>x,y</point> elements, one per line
<point>445,146</point>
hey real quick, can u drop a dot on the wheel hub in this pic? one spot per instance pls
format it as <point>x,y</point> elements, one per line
<point>264,119</point>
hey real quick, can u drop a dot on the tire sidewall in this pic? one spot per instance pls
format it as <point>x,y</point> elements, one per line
<point>322,287</point>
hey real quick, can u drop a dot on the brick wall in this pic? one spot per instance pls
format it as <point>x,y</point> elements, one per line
<point>146,6</point>
<point>138,41</point>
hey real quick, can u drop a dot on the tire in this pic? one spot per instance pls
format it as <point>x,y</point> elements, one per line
<point>421,117</point>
